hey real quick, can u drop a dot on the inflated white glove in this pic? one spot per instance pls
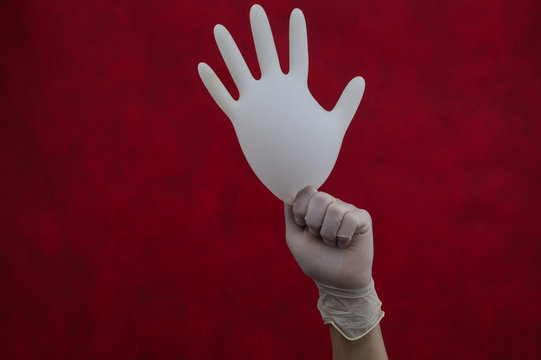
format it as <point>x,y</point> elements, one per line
<point>333,244</point>
<point>289,140</point>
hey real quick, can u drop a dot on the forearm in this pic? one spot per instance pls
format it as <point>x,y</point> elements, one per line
<point>369,347</point>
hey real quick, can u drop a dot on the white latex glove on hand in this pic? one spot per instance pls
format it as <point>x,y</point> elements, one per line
<point>333,244</point>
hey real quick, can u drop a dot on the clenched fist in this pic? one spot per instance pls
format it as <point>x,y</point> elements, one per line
<point>331,240</point>
<point>333,244</point>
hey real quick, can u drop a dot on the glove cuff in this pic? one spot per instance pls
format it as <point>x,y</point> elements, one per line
<point>352,312</point>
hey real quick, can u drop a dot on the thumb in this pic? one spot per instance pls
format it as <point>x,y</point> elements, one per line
<point>349,101</point>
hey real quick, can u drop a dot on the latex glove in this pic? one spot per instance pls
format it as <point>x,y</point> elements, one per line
<point>289,140</point>
<point>332,242</point>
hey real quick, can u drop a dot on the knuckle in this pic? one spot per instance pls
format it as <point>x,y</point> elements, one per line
<point>334,209</point>
<point>364,220</point>
<point>345,204</point>
<point>322,198</point>
<point>364,216</point>
<point>305,194</point>
<point>337,211</point>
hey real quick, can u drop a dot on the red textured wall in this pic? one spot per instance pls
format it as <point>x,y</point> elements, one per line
<point>133,227</point>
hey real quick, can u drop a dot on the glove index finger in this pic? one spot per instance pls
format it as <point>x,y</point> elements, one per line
<point>291,225</point>
<point>300,205</point>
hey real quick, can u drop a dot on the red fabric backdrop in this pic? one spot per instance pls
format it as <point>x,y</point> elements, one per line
<point>133,227</point>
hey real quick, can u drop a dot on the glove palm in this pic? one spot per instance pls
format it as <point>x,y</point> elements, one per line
<point>289,140</point>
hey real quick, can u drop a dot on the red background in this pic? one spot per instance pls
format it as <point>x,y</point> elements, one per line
<point>133,227</point>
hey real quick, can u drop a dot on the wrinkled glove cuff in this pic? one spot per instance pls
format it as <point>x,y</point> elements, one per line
<point>352,312</point>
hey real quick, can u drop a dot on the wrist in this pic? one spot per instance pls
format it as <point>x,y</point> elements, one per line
<point>352,312</point>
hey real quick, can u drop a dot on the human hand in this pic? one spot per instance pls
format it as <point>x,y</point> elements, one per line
<point>289,140</point>
<point>332,242</point>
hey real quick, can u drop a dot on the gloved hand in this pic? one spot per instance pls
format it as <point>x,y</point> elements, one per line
<point>333,244</point>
